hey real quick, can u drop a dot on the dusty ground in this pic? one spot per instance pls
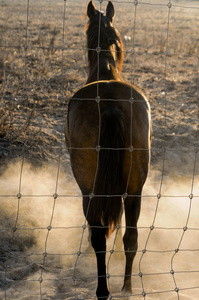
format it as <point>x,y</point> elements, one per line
<point>37,77</point>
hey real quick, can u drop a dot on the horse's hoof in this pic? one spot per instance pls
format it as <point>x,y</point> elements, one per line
<point>103,295</point>
<point>126,291</point>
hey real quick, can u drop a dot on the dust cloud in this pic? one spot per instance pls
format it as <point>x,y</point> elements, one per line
<point>22,252</point>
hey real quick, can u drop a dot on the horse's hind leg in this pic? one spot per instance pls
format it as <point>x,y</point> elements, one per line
<point>132,211</point>
<point>98,241</point>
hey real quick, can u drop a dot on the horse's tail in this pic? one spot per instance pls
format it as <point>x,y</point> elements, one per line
<point>106,209</point>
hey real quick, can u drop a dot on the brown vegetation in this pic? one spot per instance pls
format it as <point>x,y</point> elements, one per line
<point>42,66</point>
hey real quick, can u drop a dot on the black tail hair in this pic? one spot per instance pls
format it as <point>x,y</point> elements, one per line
<point>106,210</point>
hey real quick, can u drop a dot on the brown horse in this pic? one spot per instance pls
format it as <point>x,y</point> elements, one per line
<point>108,135</point>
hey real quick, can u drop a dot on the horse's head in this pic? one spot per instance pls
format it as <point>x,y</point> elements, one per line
<point>101,33</point>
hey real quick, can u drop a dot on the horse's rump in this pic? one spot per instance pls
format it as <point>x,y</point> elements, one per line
<point>114,162</point>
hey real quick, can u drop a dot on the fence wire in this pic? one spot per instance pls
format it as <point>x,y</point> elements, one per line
<point>28,96</point>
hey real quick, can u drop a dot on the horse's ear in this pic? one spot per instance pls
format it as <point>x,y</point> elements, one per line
<point>110,11</point>
<point>91,10</point>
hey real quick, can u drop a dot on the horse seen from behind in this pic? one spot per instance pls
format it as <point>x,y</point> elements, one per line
<point>108,135</point>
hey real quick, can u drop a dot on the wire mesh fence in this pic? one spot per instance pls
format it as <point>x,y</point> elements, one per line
<point>44,250</point>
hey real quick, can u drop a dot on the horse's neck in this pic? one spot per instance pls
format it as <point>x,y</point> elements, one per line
<point>104,70</point>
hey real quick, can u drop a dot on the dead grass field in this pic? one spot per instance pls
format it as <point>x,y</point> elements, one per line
<point>41,66</point>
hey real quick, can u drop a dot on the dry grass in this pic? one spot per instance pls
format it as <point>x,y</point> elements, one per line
<point>35,82</point>
<point>4,122</point>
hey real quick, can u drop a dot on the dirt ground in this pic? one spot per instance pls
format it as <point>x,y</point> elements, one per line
<point>43,62</point>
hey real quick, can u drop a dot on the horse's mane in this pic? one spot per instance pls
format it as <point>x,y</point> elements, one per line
<point>108,36</point>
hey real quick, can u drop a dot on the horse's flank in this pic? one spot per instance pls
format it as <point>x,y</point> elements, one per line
<point>115,110</point>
